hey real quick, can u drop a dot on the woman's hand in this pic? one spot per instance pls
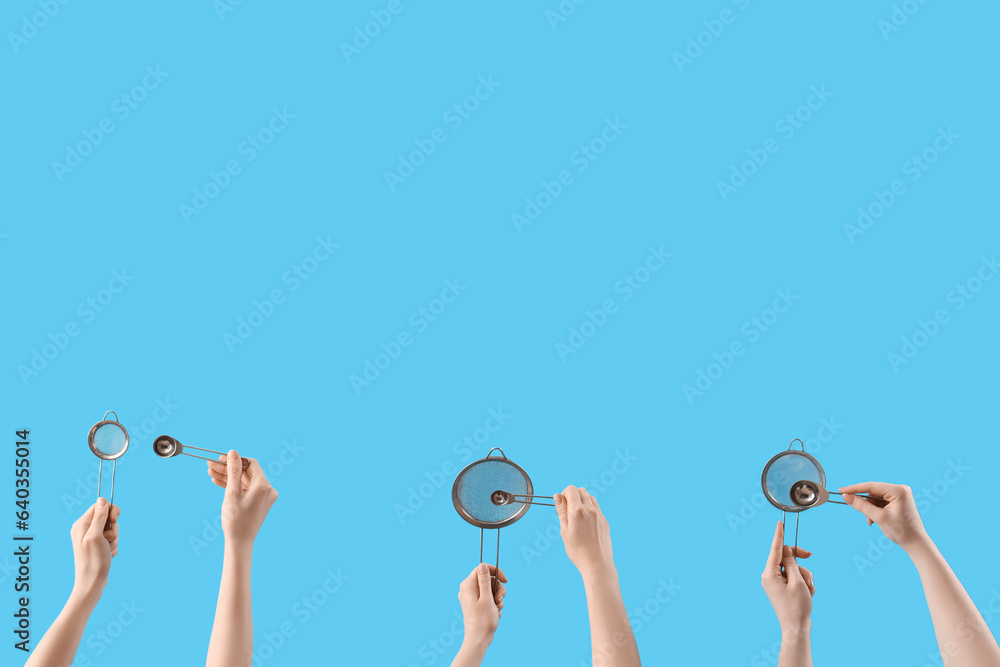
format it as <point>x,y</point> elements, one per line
<point>788,585</point>
<point>585,532</point>
<point>481,607</point>
<point>892,507</point>
<point>249,497</point>
<point>95,543</point>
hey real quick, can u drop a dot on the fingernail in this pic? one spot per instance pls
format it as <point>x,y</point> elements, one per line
<point>484,568</point>
<point>233,454</point>
<point>101,502</point>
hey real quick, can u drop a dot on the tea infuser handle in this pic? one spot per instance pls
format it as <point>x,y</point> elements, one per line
<point>792,444</point>
<point>496,449</point>
<point>246,461</point>
<point>110,412</point>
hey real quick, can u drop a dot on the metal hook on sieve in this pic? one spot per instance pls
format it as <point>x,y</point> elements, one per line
<point>490,453</point>
<point>167,447</point>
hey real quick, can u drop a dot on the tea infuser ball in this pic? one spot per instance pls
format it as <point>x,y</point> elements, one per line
<point>167,447</point>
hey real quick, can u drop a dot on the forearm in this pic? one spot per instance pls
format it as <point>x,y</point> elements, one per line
<point>796,647</point>
<point>231,644</point>
<point>472,652</point>
<point>962,635</point>
<point>611,635</point>
<point>58,647</point>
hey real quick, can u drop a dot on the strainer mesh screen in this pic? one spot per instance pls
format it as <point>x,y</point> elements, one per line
<point>477,484</point>
<point>788,470</point>
<point>109,439</point>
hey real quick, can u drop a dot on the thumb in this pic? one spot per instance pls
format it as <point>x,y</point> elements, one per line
<point>99,519</point>
<point>870,510</point>
<point>485,585</point>
<point>560,502</point>
<point>791,566</point>
<point>234,474</point>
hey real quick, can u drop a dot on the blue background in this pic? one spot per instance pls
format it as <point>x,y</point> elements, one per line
<point>688,509</point>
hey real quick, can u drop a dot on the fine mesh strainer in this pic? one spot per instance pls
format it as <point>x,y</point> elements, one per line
<point>166,447</point>
<point>493,492</point>
<point>794,481</point>
<point>108,439</point>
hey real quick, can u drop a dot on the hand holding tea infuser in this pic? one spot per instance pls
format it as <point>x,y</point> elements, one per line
<point>961,632</point>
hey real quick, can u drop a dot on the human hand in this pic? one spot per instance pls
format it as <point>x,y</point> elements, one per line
<point>585,532</point>
<point>249,497</point>
<point>788,585</point>
<point>481,607</point>
<point>95,543</point>
<point>892,507</point>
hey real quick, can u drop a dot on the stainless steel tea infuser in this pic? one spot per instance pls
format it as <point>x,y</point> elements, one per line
<point>493,492</point>
<point>167,447</point>
<point>794,481</point>
<point>108,439</point>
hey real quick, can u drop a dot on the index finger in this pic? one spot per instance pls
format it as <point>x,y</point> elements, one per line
<point>878,488</point>
<point>774,557</point>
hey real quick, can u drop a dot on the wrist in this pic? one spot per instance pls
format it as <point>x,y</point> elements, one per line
<point>477,642</point>
<point>599,574</point>
<point>238,548</point>
<point>85,597</point>
<point>796,632</point>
